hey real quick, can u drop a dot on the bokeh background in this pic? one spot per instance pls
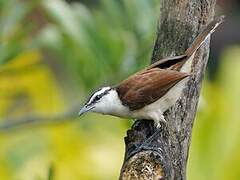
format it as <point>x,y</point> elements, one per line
<point>54,53</point>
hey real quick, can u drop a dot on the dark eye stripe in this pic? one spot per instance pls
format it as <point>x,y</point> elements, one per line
<point>96,98</point>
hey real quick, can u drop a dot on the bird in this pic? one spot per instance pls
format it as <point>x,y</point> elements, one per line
<point>150,92</point>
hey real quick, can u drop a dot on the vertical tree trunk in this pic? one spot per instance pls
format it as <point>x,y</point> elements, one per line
<point>166,155</point>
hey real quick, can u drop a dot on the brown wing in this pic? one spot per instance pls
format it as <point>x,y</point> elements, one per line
<point>147,86</point>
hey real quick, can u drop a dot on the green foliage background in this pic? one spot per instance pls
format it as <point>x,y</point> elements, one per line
<point>53,54</point>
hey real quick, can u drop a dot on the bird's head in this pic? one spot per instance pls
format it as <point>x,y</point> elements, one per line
<point>100,101</point>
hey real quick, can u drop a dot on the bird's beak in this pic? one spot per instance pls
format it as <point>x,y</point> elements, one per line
<point>84,109</point>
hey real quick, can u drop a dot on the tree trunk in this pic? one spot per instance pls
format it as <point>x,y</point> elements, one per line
<point>166,155</point>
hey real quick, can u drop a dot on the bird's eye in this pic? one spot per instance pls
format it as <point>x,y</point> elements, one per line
<point>97,97</point>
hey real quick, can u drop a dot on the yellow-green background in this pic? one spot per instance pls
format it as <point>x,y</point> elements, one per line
<point>53,54</point>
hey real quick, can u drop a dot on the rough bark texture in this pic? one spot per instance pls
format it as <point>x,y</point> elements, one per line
<point>166,156</point>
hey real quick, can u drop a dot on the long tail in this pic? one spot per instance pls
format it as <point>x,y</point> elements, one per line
<point>176,62</point>
<point>201,38</point>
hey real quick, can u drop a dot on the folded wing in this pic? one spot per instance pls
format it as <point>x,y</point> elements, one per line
<point>147,86</point>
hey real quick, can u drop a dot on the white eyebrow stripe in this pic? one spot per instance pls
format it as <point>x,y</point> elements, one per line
<point>101,91</point>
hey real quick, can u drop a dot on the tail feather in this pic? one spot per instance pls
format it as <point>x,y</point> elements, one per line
<point>198,41</point>
<point>201,38</point>
<point>177,62</point>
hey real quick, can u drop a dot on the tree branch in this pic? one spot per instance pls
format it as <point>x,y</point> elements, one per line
<point>166,156</point>
<point>26,121</point>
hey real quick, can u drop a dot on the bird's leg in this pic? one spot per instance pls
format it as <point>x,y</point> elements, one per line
<point>157,125</point>
<point>150,139</point>
<point>145,144</point>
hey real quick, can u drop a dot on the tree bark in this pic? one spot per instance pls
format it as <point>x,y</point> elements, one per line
<point>166,155</point>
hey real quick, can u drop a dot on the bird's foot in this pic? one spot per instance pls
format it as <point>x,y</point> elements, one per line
<point>145,145</point>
